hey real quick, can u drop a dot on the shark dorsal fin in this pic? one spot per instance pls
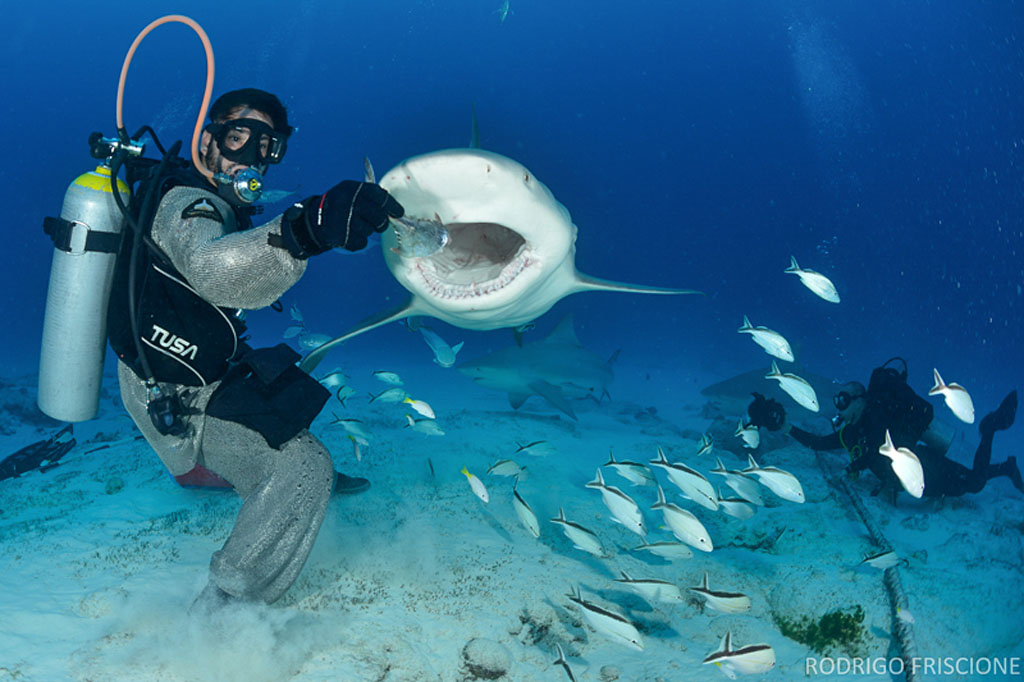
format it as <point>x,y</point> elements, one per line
<point>564,333</point>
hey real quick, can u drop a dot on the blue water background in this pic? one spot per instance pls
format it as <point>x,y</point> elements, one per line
<point>696,144</point>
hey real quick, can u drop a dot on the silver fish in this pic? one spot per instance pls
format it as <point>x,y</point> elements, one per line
<point>419,237</point>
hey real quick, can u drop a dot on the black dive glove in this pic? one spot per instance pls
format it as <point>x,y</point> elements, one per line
<point>343,217</point>
<point>767,413</point>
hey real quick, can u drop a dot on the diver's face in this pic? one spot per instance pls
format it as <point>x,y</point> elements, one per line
<point>210,152</point>
<point>850,402</point>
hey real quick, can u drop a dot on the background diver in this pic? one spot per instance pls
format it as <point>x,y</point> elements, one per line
<point>889,403</point>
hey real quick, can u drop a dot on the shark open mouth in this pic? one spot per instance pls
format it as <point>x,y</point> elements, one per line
<point>479,259</point>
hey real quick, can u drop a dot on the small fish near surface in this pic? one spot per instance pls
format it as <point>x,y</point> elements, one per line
<point>905,465</point>
<point>581,538</point>
<point>42,455</point>
<point>798,389</point>
<point>612,625</point>
<point>623,508</point>
<point>774,343</point>
<point>752,659</point>
<point>815,281</point>
<point>956,396</point>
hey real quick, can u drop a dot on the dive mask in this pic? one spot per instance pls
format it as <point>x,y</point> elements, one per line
<point>249,141</point>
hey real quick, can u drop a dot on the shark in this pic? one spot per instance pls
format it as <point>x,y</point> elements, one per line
<point>557,368</point>
<point>507,253</point>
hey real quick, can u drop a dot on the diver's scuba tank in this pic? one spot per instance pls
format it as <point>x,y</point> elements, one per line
<point>86,239</point>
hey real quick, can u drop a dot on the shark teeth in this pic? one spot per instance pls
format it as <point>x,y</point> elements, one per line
<point>442,288</point>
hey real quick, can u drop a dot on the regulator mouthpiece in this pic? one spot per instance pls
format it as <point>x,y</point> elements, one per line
<point>244,188</point>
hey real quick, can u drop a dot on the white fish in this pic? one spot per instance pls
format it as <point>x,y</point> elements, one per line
<point>310,341</point>
<point>612,625</point>
<point>705,444</point>
<point>905,615</point>
<point>538,448</point>
<point>957,398</point>
<point>634,472</point>
<point>667,549</point>
<point>782,483</point>
<point>293,331</point>
<point>506,467</point>
<point>654,591</point>
<point>815,281</point>
<point>564,663</point>
<point>743,485</point>
<point>750,435</point>
<point>882,560</point>
<point>344,393</point>
<point>357,444</point>
<point>797,388</point>
<point>388,377</point>
<point>427,426</point>
<point>444,355</point>
<point>748,660</point>
<point>477,485</point>
<point>390,395</point>
<point>724,602</point>
<point>296,314</point>
<point>774,343</point>
<point>334,379</point>
<point>691,482</point>
<point>525,514</point>
<point>420,406</point>
<point>624,510</point>
<point>736,506</point>
<point>580,537</point>
<point>353,427</point>
<point>905,465</point>
<point>683,524</point>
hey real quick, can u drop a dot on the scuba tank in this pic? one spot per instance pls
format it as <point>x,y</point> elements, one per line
<point>86,239</point>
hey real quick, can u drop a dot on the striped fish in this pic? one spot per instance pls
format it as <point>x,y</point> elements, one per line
<point>623,508</point>
<point>525,514</point>
<point>724,602</point>
<point>612,625</point>
<point>581,538</point>
<point>691,482</point>
<point>654,591</point>
<point>747,660</point>
<point>683,524</point>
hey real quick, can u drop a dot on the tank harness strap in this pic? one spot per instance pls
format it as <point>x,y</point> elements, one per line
<point>66,238</point>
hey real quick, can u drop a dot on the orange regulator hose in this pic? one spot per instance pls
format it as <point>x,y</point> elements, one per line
<point>206,93</point>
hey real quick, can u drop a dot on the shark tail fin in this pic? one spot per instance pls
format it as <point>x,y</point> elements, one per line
<point>588,283</point>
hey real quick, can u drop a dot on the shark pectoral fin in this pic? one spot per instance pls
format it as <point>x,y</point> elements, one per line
<point>588,283</point>
<point>516,400</point>
<point>553,394</point>
<point>408,308</point>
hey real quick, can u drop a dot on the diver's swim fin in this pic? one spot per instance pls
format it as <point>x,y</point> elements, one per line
<point>1003,416</point>
<point>43,455</point>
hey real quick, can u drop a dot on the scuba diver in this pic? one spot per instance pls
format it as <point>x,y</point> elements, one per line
<point>864,415</point>
<point>205,401</point>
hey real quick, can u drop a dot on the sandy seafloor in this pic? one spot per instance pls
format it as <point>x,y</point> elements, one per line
<point>96,579</point>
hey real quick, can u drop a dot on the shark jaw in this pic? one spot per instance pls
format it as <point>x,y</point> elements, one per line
<point>511,250</point>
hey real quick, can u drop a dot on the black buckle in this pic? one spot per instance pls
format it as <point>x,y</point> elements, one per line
<point>62,231</point>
